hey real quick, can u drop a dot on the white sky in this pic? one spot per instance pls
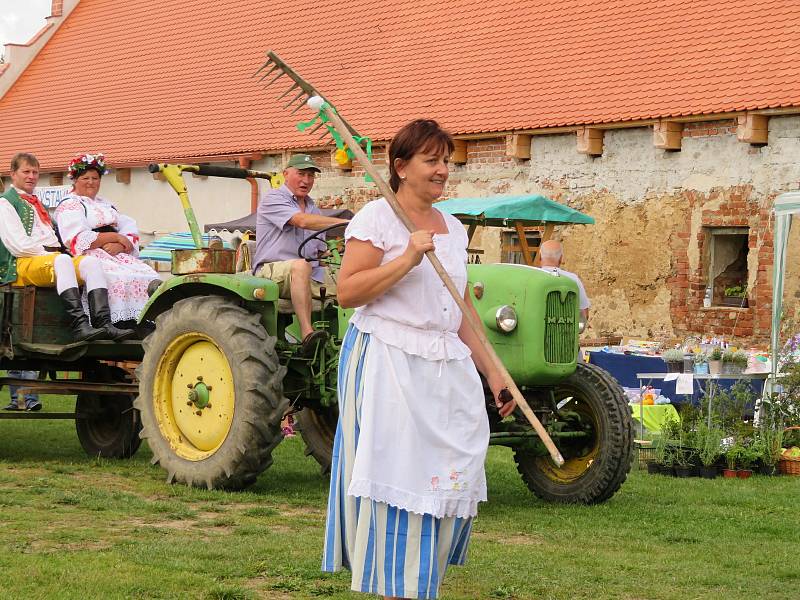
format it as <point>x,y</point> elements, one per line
<point>21,19</point>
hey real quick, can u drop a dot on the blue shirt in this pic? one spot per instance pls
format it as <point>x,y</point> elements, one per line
<point>276,239</point>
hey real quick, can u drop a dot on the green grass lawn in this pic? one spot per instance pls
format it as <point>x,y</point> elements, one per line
<point>75,527</point>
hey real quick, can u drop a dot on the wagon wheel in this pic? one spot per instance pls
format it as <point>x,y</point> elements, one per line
<point>595,466</point>
<point>210,394</point>
<point>107,426</point>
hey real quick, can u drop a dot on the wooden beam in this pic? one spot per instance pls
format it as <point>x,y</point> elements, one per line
<point>523,244</point>
<point>753,129</point>
<point>667,135</point>
<point>518,145</point>
<point>546,235</point>
<point>459,156</point>
<point>590,141</point>
<point>123,175</point>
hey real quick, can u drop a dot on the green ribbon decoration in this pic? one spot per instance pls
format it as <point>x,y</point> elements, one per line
<point>340,144</point>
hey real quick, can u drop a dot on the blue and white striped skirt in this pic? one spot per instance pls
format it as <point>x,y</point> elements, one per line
<point>389,551</point>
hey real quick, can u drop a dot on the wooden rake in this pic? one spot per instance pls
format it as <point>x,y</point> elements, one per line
<point>303,92</point>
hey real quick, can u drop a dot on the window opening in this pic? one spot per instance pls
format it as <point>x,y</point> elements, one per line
<point>727,268</point>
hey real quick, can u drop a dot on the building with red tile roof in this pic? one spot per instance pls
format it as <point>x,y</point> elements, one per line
<point>673,122</point>
<point>170,80</point>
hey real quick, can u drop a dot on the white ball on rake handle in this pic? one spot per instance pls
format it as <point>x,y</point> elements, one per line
<point>315,103</point>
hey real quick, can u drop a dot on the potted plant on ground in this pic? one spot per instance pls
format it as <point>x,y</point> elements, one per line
<point>735,295</point>
<point>748,455</point>
<point>709,449</point>
<point>715,361</point>
<point>674,359</point>
<point>667,447</point>
<point>732,457</point>
<point>769,443</point>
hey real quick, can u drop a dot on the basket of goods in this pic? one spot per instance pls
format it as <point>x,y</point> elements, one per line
<point>789,463</point>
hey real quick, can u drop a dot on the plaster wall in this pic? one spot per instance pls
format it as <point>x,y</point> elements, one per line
<point>643,260</point>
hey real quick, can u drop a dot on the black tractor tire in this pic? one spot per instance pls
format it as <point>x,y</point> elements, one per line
<point>318,428</point>
<point>219,331</point>
<point>110,425</point>
<point>592,475</point>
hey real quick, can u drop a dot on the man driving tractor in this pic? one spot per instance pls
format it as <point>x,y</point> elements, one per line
<point>286,216</point>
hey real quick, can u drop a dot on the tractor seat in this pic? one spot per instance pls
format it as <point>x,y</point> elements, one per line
<point>243,263</point>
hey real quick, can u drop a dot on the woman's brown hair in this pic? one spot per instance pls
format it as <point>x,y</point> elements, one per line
<point>422,135</point>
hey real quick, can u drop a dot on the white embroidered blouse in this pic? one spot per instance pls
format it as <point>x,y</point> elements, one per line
<point>417,314</point>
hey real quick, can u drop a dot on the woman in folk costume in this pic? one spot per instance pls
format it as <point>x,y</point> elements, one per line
<point>90,225</point>
<point>410,445</point>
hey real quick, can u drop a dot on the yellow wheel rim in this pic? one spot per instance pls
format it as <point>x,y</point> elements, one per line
<point>194,423</point>
<point>576,466</point>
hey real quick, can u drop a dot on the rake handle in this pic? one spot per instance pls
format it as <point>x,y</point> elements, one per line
<point>477,327</point>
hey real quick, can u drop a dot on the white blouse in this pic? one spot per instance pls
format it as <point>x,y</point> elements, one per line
<point>19,243</point>
<point>417,314</point>
<point>78,217</point>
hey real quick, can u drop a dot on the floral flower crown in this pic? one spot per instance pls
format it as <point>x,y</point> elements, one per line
<point>82,162</point>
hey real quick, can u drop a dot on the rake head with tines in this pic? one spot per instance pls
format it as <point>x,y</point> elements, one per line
<point>276,68</point>
<point>303,92</point>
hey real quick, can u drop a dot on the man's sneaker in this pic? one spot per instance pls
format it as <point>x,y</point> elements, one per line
<point>12,406</point>
<point>33,404</point>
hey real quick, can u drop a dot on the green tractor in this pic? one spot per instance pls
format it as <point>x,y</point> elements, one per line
<point>223,366</point>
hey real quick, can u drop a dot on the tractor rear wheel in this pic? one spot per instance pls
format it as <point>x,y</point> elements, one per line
<point>318,428</point>
<point>595,466</point>
<point>211,394</point>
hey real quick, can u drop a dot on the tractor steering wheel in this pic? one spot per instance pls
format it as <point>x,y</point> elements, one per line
<point>315,236</point>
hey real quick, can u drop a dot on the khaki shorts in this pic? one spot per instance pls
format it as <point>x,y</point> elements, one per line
<point>39,271</point>
<point>281,273</point>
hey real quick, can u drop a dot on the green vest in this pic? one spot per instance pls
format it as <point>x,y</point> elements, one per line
<point>8,262</point>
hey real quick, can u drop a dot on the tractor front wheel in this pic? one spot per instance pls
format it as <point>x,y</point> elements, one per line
<point>210,394</point>
<point>596,465</point>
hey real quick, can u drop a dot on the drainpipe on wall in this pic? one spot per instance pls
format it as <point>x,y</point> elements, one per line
<point>244,163</point>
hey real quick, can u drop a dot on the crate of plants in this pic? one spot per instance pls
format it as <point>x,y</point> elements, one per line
<point>789,463</point>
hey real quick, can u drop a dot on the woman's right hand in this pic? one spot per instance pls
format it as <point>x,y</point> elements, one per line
<point>420,242</point>
<point>125,242</point>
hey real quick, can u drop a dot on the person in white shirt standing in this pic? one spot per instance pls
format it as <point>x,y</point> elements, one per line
<point>551,254</point>
<point>30,253</point>
<point>408,457</point>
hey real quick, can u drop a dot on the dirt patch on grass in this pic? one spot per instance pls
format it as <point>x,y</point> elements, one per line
<point>516,539</point>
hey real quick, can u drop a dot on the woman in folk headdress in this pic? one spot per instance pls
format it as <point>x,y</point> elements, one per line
<point>90,225</point>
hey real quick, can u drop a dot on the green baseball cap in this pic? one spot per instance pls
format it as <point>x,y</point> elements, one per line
<point>303,162</point>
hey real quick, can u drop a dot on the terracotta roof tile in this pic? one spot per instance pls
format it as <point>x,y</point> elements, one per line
<point>159,80</point>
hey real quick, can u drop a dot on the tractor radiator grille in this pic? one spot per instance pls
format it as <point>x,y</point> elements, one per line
<point>560,329</point>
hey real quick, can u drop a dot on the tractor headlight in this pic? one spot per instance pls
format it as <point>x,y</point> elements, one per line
<point>506,318</point>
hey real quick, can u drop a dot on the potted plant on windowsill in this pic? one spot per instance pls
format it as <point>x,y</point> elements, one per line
<point>734,362</point>
<point>674,359</point>
<point>715,361</point>
<point>735,295</point>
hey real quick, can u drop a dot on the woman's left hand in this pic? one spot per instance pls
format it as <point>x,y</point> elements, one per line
<point>502,396</point>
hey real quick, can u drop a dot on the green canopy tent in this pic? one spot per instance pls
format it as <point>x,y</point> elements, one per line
<point>518,212</point>
<point>785,206</point>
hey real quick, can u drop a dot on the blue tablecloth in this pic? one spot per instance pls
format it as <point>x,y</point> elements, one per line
<point>624,367</point>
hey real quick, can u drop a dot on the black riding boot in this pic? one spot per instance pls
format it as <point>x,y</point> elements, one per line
<point>81,329</point>
<point>101,316</point>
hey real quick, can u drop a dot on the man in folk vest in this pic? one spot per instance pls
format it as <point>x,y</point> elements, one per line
<point>30,255</point>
